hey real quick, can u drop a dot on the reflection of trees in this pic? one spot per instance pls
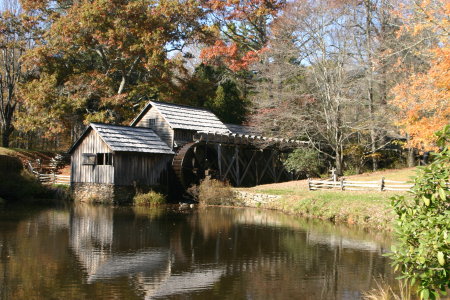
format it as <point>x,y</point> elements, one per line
<point>308,259</point>
<point>133,254</point>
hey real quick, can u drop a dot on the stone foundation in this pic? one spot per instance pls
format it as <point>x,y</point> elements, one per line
<point>255,199</point>
<point>103,193</point>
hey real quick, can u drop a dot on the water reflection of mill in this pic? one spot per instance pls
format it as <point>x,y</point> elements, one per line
<point>107,251</point>
<point>110,244</point>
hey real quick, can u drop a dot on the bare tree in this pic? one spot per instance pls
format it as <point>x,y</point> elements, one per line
<point>308,77</point>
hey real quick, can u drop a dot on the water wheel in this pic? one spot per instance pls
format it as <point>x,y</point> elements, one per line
<point>192,163</point>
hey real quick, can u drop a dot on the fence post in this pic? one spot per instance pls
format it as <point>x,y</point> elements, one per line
<point>342,184</point>
<point>382,184</point>
<point>309,184</point>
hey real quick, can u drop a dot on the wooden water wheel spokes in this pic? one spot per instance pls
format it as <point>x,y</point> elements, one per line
<point>192,161</point>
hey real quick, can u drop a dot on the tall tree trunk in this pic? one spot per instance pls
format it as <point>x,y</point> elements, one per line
<point>339,161</point>
<point>411,160</point>
<point>373,134</point>
<point>6,134</point>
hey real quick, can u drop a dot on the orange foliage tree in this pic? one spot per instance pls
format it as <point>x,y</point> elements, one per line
<point>242,31</point>
<point>100,60</point>
<point>423,99</point>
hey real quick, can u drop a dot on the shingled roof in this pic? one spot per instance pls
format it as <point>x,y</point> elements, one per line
<point>185,117</point>
<point>244,130</point>
<point>127,139</point>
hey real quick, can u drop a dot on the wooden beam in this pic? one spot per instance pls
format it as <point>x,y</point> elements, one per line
<point>229,167</point>
<point>238,173</point>
<point>219,159</point>
<point>282,170</point>
<point>256,171</point>
<point>273,166</point>
<point>267,165</point>
<point>248,167</point>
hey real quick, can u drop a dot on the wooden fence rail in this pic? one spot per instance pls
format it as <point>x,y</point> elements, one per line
<point>349,185</point>
<point>53,178</point>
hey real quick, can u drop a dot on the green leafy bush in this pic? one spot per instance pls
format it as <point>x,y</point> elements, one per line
<point>151,198</point>
<point>423,231</point>
<point>10,164</point>
<point>304,160</point>
<point>17,184</point>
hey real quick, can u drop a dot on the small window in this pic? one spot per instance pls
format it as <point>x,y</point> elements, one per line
<point>88,159</point>
<point>104,158</point>
<point>151,122</point>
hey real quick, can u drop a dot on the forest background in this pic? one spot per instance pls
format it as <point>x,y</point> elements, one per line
<point>359,79</point>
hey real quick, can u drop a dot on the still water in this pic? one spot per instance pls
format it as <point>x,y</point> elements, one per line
<point>95,252</point>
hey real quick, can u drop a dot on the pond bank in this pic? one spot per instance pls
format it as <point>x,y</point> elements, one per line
<point>367,209</point>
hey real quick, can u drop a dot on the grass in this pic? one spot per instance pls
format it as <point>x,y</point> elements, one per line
<point>394,174</point>
<point>17,184</point>
<point>151,198</point>
<point>25,155</point>
<point>365,208</point>
<point>385,292</point>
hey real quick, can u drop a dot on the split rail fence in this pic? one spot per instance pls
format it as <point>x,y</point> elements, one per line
<point>349,185</point>
<point>53,178</point>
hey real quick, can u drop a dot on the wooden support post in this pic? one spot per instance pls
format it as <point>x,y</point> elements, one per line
<point>267,165</point>
<point>342,183</point>
<point>273,167</point>
<point>309,184</point>
<point>238,175</point>
<point>219,159</point>
<point>256,172</point>
<point>282,170</point>
<point>382,184</point>
<point>229,167</point>
<point>248,167</point>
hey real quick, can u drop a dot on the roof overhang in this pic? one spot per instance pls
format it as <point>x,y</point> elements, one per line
<point>245,139</point>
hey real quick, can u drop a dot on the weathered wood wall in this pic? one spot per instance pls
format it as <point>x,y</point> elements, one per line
<point>161,127</point>
<point>182,136</point>
<point>92,143</point>
<point>144,169</point>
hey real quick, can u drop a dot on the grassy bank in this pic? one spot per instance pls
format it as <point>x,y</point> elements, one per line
<point>19,185</point>
<point>26,155</point>
<point>365,208</point>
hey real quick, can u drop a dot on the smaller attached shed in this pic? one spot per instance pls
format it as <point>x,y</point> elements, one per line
<point>110,163</point>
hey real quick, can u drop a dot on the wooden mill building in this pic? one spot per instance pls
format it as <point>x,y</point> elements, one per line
<point>171,147</point>
<point>110,163</point>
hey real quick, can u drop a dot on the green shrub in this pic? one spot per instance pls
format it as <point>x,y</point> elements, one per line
<point>151,198</point>
<point>215,192</point>
<point>304,160</point>
<point>21,186</point>
<point>423,231</point>
<point>10,164</point>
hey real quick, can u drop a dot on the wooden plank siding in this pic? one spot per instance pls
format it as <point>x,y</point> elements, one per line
<point>140,168</point>
<point>182,136</point>
<point>92,143</point>
<point>161,127</point>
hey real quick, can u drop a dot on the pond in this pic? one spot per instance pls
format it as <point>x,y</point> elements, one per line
<point>96,252</point>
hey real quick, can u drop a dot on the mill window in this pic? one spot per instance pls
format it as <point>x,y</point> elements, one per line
<point>151,122</point>
<point>104,158</point>
<point>88,159</point>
